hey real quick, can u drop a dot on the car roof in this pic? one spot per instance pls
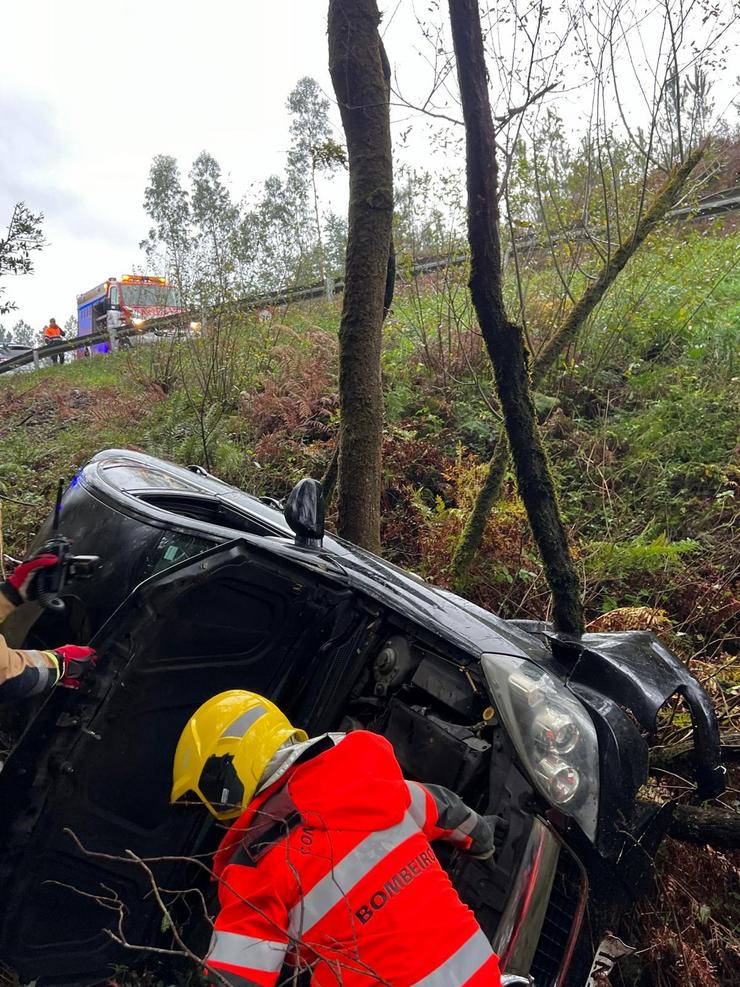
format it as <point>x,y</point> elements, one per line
<point>458,620</point>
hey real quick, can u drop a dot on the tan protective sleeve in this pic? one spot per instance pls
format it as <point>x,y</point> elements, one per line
<point>14,662</point>
<point>6,607</point>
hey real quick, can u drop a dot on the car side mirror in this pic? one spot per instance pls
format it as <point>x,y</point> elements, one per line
<point>304,512</point>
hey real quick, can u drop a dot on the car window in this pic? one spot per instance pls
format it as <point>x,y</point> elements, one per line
<point>208,510</point>
<point>126,475</point>
<point>172,547</point>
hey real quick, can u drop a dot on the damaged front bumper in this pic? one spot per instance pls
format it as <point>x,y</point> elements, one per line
<point>539,928</point>
<point>569,886</point>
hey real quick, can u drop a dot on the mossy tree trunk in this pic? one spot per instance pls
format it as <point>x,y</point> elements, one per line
<point>331,473</point>
<point>666,197</point>
<point>475,524</point>
<point>361,78</point>
<point>504,339</point>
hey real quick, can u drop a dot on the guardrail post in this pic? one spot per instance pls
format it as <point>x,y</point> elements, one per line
<point>113,336</point>
<point>36,361</point>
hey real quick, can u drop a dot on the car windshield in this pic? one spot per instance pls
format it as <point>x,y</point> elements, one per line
<point>151,296</point>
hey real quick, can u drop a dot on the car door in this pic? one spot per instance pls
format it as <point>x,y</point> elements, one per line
<point>89,781</point>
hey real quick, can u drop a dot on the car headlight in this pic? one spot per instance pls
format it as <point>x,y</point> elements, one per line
<point>552,733</point>
<point>137,323</point>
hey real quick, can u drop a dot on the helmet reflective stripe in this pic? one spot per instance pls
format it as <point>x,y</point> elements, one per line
<point>461,966</point>
<point>242,723</point>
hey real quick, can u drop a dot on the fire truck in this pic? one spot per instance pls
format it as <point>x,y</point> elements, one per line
<point>131,301</point>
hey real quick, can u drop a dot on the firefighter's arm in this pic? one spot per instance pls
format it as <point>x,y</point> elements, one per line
<point>22,673</point>
<point>443,815</point>
<point>26,673</point>
<point>250,937</point>
<point>6,607</point>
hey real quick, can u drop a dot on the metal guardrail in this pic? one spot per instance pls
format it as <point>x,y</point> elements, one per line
<point>727,200</point>
<point>711,205</point>
<point>39,353</point>
<point>285,296</point>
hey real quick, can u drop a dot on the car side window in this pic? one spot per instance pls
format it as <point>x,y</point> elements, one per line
<point>171,548</point>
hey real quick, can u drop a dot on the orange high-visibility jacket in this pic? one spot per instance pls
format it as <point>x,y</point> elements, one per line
<point>52,332</point>
<point>331,867</point>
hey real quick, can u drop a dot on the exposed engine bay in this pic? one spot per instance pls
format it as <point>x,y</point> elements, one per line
<point>445,731</point>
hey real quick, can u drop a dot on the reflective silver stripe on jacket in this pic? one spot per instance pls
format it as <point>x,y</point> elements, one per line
<point>418,807</point>
<point>344,875</point>
<point>246,951</point>
<point>461,966</point>
<point>48,674</point>
<point>460,833</point>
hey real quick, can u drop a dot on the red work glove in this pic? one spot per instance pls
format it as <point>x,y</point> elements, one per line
<point>19,585</point>
<point>74,661</point>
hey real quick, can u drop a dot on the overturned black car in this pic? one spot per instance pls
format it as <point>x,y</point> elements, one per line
<point>203,588</point>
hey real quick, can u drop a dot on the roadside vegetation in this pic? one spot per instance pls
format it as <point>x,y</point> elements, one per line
<point>639,422</point>
<point>640,426</point>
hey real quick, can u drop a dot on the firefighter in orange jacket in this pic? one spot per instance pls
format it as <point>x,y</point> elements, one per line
<point>28,672</point>
<point>329,863</point>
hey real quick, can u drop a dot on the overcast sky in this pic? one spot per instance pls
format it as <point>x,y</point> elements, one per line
<point>90,92</point>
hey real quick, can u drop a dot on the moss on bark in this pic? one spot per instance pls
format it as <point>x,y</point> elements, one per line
<point>504,339</point>
<point>360,75</point>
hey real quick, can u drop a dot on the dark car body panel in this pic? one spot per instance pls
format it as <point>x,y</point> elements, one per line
<point>643,674</point>
<point>102,761</point>
<point>128,525</point>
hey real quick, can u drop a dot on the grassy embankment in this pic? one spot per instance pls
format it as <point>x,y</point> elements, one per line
<point>641,423</point>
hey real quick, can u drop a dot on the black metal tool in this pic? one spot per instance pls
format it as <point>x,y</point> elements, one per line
<point>51,580</point>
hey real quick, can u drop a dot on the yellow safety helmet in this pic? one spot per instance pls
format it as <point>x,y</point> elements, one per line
<point>224,750</point>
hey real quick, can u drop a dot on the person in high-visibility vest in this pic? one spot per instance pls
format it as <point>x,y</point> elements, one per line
<point>26,673</point>
<point>53,334</point>
<point>328,864</point>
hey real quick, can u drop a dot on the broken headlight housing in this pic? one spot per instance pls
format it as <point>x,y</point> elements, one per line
<point>552,733</point>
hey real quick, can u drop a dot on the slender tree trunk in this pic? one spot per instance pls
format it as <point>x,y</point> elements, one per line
<point>331,473</point>
<point>504,340</point>
<point>665,199</point>
<point>475,525</point>
<point>359,72</point>
<point>317,216</point>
